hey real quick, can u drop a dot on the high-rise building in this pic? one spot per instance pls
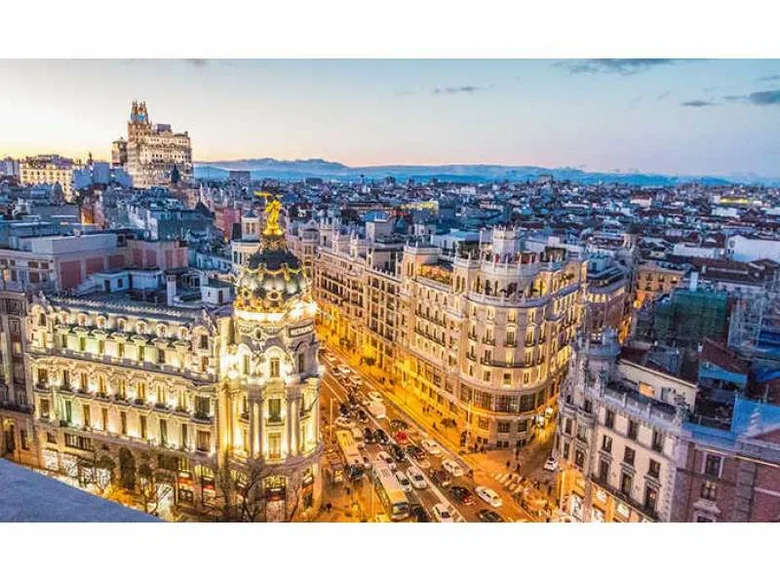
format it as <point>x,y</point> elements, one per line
<point>152,151</point>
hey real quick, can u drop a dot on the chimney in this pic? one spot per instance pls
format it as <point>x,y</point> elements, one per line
<point>694,281</point>
<point>170,288</point>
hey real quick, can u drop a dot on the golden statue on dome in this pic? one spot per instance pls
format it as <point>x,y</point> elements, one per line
<point>272,209</point>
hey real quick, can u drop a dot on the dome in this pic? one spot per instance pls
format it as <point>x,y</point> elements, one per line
<point>272,276</point>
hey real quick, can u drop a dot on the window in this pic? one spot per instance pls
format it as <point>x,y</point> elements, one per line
<point>43,376</point>
<point>78,442</point>
<point>82,343</point>
<point>603,470</point>
<point>588,406</point>
<point>567,427</point>
<point>486,376</point>
<point>712,465</point>
<point>51,438</point>
<point>609,419</point>
<point>204,364</point>
<point>245,360</point>
<point>202,407</point>
<point>658,441</point>
<point>503,426</point>
<point>274,445</point>
<point>45,410</point>
<point>161,356</point>
<point>184,435</point>
<point>626,482</point>
<point>579,458</point>
<point>123,422</point>
<point>301,362</point>
<point>163,432</point>
<point>104,419</point>
<point>275,410</point>
<point>83,381</point>
<point>87,415</point>
<point>140,392</point>
<point>628,456</point>
<point>582,432</point>
<point>25,441</point>
<point>606,443</point>
<point>101,380</point>
<point>566,450</point>
<point>121,390</point>
<point>507,379</point>
<point>483,423</point>
<point>708,490</point>
<point>633,430</point>
<point>654,469</point>
<point>68,412</point>
<point>160,396</point>
<point>141,353</point>
<point>275,368</point>
<point>120,349</point>
<point>204,341</point>
<point>142,426</point>
<point>651,498</point>
<point>204,441</point>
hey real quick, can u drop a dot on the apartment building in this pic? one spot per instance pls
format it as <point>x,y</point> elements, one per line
<point>654,279</point>
<point>49,170</point>
<point>619,433</point>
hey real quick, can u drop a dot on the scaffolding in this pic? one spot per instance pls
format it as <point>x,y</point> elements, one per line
<point>754,330</point>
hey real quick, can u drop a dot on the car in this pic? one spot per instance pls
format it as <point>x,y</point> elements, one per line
<point>489,516</point>
<point>343,369</point>
<point>368,435</point>
<point>355,382</point>
<point>406,485</point>
<point>362,416</point>
<point>375,396</point>
<point>398,452</point>
<point>462,494</point>
<point>343,422</point>
<point>381,437</point>
<point>352,400</point>
<point>328,357</point>
<point>452,467</point>
<point>343,409</point>
<point>417,478</point>
<point>399,424</point>
<point>385,457</point>
<point>401,437</point>
<point>431,446</point>
<point>441,478</point>
<point>419,513</point>
<point>488,496</point>
<point>363,401</point>
<point>443,513</point>
<point>551,464</point>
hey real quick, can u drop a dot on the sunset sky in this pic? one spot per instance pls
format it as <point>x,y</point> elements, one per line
<point>716,117</point>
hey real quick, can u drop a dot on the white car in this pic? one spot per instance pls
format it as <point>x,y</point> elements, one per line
<point>329,357</point>
<point>417,478</point>
<point>385,456</point>
<point>443,513</point>
<point>375,397</point>
<point>343,369</point>
<point>431,447</point>
<point>551,464</point>
<point>488,496</point>
<point>343,422</point>
<point>452,467</point>
<point>406,485</point>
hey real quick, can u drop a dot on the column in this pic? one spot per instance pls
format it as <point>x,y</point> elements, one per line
<point>252,441</point>
<point>297,428</point>
<point>258,418</point>
<point>288,423</point>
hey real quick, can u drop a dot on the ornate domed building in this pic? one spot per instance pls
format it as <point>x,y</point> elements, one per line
<point>272,376</point>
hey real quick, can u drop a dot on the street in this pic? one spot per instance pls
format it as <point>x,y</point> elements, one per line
<point>490,472</point>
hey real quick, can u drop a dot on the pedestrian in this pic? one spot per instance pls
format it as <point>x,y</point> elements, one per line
<point>508,464</point>
<point>517,469</point>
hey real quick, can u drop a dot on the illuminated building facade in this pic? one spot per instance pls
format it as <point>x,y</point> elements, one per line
<point>482,337</point>
<point>152,151</point>
<point>49,170</point>
<point>198,393</point>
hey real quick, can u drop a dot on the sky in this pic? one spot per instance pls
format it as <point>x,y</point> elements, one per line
<point>687,117</point>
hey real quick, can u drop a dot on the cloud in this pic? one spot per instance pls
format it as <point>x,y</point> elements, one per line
<point>197,62</point>
<point>698,103</point>
<point>622,66</point>
<point>765,97</point>
<point>769,78</point>
<point>663,95</point>
<point>456,90</point>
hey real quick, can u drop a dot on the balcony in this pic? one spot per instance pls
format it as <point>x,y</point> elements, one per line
<point>202,418</point>
<point>647,510</point>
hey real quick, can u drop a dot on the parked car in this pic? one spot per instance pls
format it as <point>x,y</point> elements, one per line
<point>551,464</point>
<point>462,494</point>
<point>488,496</point>
<point>375,396</point>
<point>431,446</point>
<point>419,513</point>
<point>362,416</point>
<point>385,457</point>
<point>368,435</point>
<point>381,437</point>
<point>399,425</point>
<point>443,513</point>
<point>417,478</point>
<point>441,478</point>
<point>343,410</point>
<point>453,467</point>
<point>406,485</point>
<point>344,369</point>
<point>489,516</point>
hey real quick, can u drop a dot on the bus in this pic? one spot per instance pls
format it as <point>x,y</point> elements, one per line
<point>353,460</point>
<point>390,493</point>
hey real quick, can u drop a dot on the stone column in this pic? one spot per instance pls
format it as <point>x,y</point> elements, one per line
<point>259,420</point>
<point>252,441</point>
<point>288,424</point>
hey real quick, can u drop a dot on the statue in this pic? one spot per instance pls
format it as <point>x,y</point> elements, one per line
<point>273,208</point>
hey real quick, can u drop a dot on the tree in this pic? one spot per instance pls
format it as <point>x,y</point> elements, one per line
<point>126,469</point>
<point>240,487</point>
<point>149,488</point>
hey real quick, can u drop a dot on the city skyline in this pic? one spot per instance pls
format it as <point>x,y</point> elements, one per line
<point>715,117</point>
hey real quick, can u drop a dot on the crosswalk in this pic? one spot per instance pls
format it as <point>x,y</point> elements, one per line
<point>508,480</point>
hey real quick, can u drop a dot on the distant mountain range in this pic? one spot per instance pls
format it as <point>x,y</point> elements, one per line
<point>300,169</point>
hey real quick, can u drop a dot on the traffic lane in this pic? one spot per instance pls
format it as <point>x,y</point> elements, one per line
<point>428,497</point>
<point>509,510</point>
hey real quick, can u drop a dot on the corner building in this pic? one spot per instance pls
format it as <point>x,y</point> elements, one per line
<point>194,392</point>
